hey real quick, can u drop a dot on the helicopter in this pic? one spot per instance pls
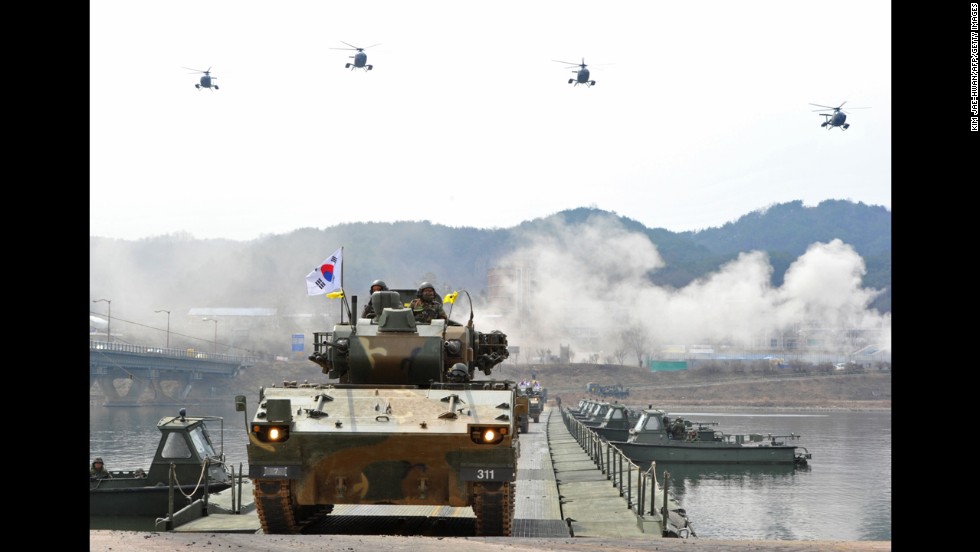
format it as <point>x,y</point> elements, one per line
<point>581,74</point>
<point>837,118</point>
<point>360,58</point>
<point>206,79</point>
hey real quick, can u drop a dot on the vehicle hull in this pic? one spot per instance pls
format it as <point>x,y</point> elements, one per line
<point>117,497</point>
<point>388,445</point>
<point>708,453</point>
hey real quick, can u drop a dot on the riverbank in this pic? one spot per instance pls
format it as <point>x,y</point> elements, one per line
<point>679,390</point>
<point>697,388</point>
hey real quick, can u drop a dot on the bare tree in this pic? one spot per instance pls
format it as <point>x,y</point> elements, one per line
<point>620,355</point>
<point>635,339</point>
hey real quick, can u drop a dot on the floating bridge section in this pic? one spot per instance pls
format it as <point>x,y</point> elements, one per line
<point>134,375</point>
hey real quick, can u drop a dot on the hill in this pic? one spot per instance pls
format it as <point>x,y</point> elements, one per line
<point>177,273</point>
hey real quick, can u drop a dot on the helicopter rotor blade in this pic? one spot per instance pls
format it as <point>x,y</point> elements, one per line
<point>358,48</point>
<point>581,65</point>
<point>838,108</point>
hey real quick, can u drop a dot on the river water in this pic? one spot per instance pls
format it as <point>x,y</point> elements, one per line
<point>845,494</point>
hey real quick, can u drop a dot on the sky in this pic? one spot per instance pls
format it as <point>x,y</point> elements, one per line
<point>700,113</point>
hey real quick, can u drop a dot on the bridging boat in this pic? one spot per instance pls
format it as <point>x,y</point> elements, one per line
<point>616,424</point>
<point>185,467</point>
<point>656,438</point>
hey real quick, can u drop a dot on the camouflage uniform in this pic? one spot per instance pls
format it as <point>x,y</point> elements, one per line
<point>99,472</point>
<point>427,311</point>
<point>369,308</point>
<point>678,428</point>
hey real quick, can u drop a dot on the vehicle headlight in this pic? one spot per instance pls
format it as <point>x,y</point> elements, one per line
<point>271,433</point>
<point>488,435</point>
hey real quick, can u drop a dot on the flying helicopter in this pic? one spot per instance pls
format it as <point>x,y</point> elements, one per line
<point>581,74</point>
<point>206,79</point>
<point>837,118</point>
<point>360,58</point>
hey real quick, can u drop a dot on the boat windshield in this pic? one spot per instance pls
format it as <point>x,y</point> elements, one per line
<point>176,446</point>
<point>202,443</point>
<point>648,423</point>
<point>640,422</point>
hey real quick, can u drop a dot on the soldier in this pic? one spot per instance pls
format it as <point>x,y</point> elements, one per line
<point>426,306</point>
<point>679,428</point>
<point>377,285</point>
<point>98,471</point>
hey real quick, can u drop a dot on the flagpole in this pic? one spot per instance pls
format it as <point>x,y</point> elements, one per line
<point>342,284</point>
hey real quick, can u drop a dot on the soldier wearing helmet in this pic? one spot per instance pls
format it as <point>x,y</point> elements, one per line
<point>98,470</point>
<point>427,306</point>
<point>377,285</point>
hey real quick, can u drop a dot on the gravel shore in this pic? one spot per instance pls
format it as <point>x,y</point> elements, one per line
<point>116,541</point>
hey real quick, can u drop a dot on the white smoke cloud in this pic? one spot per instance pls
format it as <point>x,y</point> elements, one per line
<point>589,284</point>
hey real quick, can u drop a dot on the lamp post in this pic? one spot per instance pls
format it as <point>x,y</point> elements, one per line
<point>108,327</point>
<point>168,325</point>
<point>214,344</point>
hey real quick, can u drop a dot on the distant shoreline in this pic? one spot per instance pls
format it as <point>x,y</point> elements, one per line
<point>685,390</point>
<point>731,407</point>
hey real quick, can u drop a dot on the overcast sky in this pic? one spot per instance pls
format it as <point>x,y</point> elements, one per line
<point>700,112</point>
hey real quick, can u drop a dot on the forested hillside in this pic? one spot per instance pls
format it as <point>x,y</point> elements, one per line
<point>178,272</point>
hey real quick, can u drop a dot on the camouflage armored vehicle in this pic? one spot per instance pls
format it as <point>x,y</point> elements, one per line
<point>522,409</point>
<point>405,423</point>
<point>535,405</point>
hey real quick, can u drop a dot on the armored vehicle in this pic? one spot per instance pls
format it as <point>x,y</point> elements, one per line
<point>405,423</point>
<point>522,410</point>
<point>535,405</point>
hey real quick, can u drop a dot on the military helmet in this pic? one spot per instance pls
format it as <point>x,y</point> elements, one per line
<point>384,286</point>
<point>422,286</point>
<point>98,461</point>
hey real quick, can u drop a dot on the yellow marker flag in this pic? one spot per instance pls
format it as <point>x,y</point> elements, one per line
<point>450,297</point>
<point>336,294</point>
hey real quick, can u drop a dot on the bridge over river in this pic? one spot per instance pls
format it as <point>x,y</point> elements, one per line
<point>134,375</point>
